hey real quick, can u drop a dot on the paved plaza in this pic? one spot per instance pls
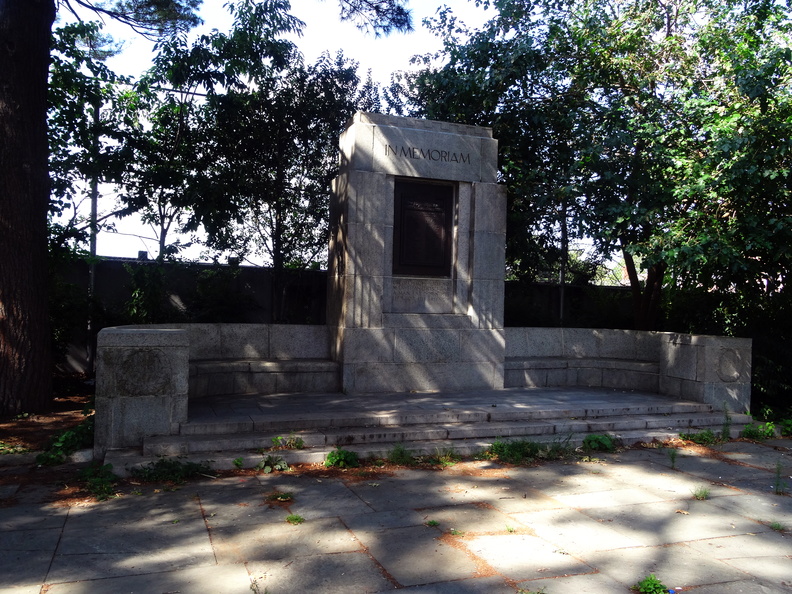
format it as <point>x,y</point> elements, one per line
<point>582,526</point>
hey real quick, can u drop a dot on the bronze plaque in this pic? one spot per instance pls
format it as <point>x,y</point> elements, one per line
<point>423,228</point>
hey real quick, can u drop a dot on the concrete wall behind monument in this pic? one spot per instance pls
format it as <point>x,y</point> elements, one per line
<point>416,271</point>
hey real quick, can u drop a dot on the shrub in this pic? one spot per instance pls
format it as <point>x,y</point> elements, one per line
<point>597,442</point>
<point>342,459</point>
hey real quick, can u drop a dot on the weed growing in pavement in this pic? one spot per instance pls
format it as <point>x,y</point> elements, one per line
<point>510,529</point>
<point>455,532</point>
<point>759,432</point>
<point>673,453</point>
<point>650,585</point>
<point>170,470</point>
<point>445,457</point>
<point>432,523</point>
<point>516,451</point>
<point>701,493</point>
<point>295,519</point>
<point>785,427</point>
<point>67,442</point>
<point>541,590</point>
<point>99,481</point>
<point>779,484</point>
<point>292,442</point>
<point>400,455</point>
<point>238,462</point>
<point>278,496</point>
<point>777,526</point>
<point>342,458</point>
<point>558,450</point>
<point>727,423</point>
<point>706,437</point>
<point>270,464</point>
<point>598,442</point>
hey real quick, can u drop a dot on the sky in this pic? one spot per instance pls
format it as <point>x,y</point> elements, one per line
<point>323,32</point>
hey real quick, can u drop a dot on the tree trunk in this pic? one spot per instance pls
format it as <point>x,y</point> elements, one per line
<point>646,298</point>
<point>25,341</point>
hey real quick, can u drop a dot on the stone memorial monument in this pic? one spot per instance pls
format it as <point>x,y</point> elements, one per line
<point>416,271</point>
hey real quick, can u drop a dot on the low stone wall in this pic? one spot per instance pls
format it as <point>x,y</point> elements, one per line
<point>146,374</point>
<point>711,369</point>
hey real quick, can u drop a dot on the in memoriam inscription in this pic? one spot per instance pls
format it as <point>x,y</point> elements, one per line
<point>429,154</point>
<point>423,228</point>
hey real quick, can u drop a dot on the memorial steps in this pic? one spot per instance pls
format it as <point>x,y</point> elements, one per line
<point>221,429</point>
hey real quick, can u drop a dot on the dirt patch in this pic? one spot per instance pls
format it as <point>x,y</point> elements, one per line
<point>71,396</point>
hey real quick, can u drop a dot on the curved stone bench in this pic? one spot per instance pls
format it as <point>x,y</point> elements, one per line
<point>215,377</point>
<point>591,372</point>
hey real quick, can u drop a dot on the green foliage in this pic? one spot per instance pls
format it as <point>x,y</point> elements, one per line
<point>673,454</point>
<point>149,302</point>
<point>271,464</point>
<point>701,493</point>
<point>785,426</point>
<point>342,458</point>
<point>759,431</point>
<point>291,442</point>
<point>650,585</point>
<point>654,130</point>
<point>295,519</point>
<point>706,437</point>
<point>280,496</point>
<point>6,448</point>
<point>598,443</point>
<point>238,462</point>
<point>515,451</point>
<point>99,480</point>
<point>432,523</point>
<point>170,470</point>
<point>67,442</point>
<point>400,455</point>
<point>444,457</point>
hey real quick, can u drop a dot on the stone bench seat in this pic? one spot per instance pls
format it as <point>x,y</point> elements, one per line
<point>592,372</point>
<point>214,377</point>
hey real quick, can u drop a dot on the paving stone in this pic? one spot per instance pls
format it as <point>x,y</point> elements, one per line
<point>763,544</point>
<point>416,556</point>
<point>23,568</point>
<point>741,587</point>
<point>407,489</point>
<point>470,519</point>
<point>488,585</point>
<point>574,532</point>
<point>610,498</point>
<point>755,454</point>
<point>21,590</point>
<point>593,583</point>
<point>662,523</point>
<point>154,510</point>
<point>194,580</point>
<point>674,565</point>
<point>313,499</point>
<point>763,508</point>
<point>374,521</point>
<point>774,570</point>
<point>71,568</point>
<point>273,542</point>
<point>27,517</point>
<point>30,540</point>
<point>337,573</point>
<point>524,557</point>
<point>137,538</point>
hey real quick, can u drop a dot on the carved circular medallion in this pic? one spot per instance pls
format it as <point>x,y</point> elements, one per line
<point>145,372</point>
<point>729,365</point>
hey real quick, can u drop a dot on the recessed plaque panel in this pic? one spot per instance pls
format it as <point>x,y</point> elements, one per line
<point>423,228</point>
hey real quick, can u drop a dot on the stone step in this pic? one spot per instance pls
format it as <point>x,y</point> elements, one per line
<point>290,422</point>
<point>123,460</point>
<point>192,443</point>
